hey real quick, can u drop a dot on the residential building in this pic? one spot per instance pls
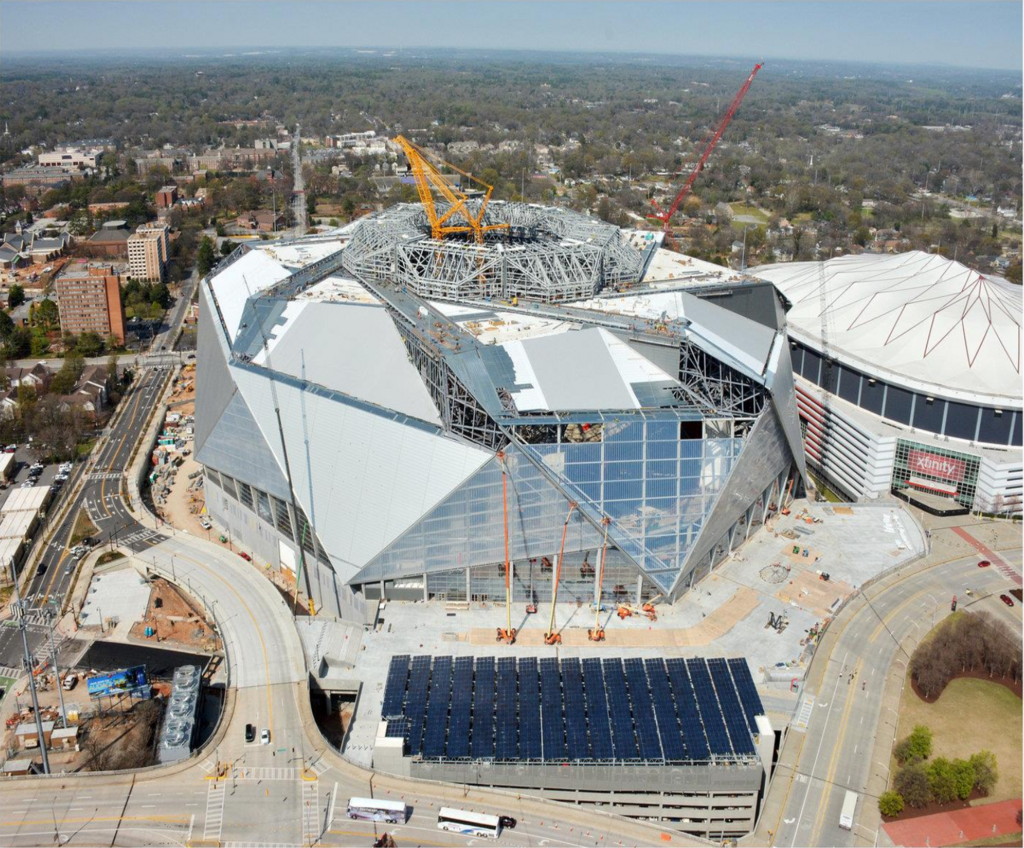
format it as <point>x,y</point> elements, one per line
<point>90,393</point>
<point>37,376</point>
<point>166,197</point>
<point>89,299</point>
<point>148,252</point>
<point>40,178</point>
<point>262,220</point>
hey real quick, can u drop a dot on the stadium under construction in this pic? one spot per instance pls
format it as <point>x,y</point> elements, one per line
<point>390,428</point>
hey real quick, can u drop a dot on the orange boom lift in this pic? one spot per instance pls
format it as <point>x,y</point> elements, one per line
<point>552,638</point>
<point>597,634</point>
<point>508,635</point>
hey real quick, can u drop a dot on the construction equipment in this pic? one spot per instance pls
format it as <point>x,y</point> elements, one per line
<point>508,635</point>
<point>624,611</point>
<point>429,179</point>
<point>596,634</point>
<point>666,216</point>
<point>551,637</point>
<point>648,608</point>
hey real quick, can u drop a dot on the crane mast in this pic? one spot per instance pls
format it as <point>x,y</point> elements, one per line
<point>666,216</point>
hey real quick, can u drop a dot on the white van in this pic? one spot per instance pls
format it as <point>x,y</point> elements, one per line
<point>849,808</point>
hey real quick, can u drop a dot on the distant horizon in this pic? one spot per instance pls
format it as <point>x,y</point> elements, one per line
<point>255,51</point>
<point>904,34</point>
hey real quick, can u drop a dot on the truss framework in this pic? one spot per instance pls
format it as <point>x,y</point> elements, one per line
<point>545,254</point>
<point>718,389</point>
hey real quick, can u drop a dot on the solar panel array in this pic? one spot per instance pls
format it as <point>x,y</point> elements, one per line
<point>594,710</point>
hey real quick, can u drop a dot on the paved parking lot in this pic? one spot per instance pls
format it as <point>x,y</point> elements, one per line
<point>25,459</point>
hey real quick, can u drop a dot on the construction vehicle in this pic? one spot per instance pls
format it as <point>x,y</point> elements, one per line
<point>648,608</point>
<point>551,637</point>
<point>508,634</point>
<point>428,179</point>
<point>666,216</point>
<point>596,633</point>
<point>624,611</point>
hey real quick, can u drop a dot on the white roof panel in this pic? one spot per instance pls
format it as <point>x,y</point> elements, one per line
<point>914,318</point>
<point>253,273</point>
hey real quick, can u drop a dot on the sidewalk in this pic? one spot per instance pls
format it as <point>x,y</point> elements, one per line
<point>987,821</point>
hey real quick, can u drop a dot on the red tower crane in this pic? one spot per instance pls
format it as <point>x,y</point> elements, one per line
<point>664,216</point>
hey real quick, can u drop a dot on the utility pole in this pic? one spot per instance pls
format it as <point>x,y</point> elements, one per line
<point>22,608</point>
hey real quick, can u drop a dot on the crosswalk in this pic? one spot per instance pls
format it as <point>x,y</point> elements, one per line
<point>9,671</point>
<point>214,811</point>
<point>310,812</point>
<point>804,716</point>
<point>266,773</point>
<point>106,475</point>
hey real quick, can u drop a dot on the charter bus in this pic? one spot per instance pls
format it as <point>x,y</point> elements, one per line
<point>470,824</point>
<point>375,809</point>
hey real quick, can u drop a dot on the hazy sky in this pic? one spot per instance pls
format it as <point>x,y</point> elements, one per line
<point>974,34</point>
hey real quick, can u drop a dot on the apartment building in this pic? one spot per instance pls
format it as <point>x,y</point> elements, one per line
<point>89,299</point>
<point>70,157</point>
<point>148,252</point>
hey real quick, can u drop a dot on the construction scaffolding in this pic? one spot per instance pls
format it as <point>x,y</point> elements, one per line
<point>543,254</point>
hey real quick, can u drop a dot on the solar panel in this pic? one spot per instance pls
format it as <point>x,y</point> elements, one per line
<point>710,711</point>
<point>483,710</point>
<point>623,737</point>
<point>551,718</point>
<point>507,728</point>
<point>416,702</point>
<point>575,710</point>
<point>394,689</point>
<point>685,700</point>
<point>597,710</point>
<point>732,711</point>
<point>462,702</point>
<point>751,701</point>
<point>643,710</point>
<point>436,727</point>
<point>529,710</point>
<point>398,728</point>
<point>665,711</point>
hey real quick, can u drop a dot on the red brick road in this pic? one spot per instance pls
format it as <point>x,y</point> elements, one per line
<point>956,826</point>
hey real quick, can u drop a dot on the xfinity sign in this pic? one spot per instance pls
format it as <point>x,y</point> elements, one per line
<point>922,462</point>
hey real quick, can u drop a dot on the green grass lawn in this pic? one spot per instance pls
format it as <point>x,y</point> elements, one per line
<point>971,715</point>
<point>747,209</point>
<point>7,684</point>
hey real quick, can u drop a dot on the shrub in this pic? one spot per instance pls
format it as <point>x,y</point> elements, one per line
<point>890,804</point>
<point>985,771</point>
<point>912,784</point>
<point>942,780</point>
<point>963,778</point>
<point>916,746</point>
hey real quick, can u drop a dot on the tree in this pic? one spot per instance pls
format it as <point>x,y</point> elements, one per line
<point>912,783</point>
<point>15,296</point>
<point>963,778</point>
<point>986,772</point>
<point>227,247</point>
<point>942,780</point>
<point>89,344</point>
<point>890,804</point>
<point>205,257</point>
<point>920,740</point>
<point>66,378</point>
<point>46,314</point>
<point>40,344</point>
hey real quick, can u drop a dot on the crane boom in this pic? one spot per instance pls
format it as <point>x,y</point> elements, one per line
<point>666,216</point>
<point>429,179</point>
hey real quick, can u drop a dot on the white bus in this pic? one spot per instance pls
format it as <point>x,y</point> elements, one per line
<point>374,809</point>
<point>849,808</point>
<point>470,824</point>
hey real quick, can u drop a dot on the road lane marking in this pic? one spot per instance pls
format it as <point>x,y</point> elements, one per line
<point>833,762</point>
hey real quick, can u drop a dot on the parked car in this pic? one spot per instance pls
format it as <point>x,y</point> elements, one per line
<point>10,449</point>
<point>1006,599</point>
<point>69,681</point>
<point>250,733</point>
<point>984,563</point>
<point>206,525</point>
<point>265,736</point>
<point>245,556</point>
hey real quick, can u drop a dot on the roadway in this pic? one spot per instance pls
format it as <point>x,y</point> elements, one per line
<point>298,185</point>
<point>100,493</point>
<point>847,718</point>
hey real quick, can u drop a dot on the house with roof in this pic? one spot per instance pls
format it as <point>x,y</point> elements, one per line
<point>90,393</point>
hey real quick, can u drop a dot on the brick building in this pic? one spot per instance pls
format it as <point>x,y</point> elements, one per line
<point>148,252</point>
<point>89,299</point>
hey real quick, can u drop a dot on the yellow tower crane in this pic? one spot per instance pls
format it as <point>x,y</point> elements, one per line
<point>429,179</point>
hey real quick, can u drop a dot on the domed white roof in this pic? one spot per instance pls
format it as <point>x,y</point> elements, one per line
<point>914,318</point>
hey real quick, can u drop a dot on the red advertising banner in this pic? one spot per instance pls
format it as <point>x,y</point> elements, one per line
<point>922,462</point>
